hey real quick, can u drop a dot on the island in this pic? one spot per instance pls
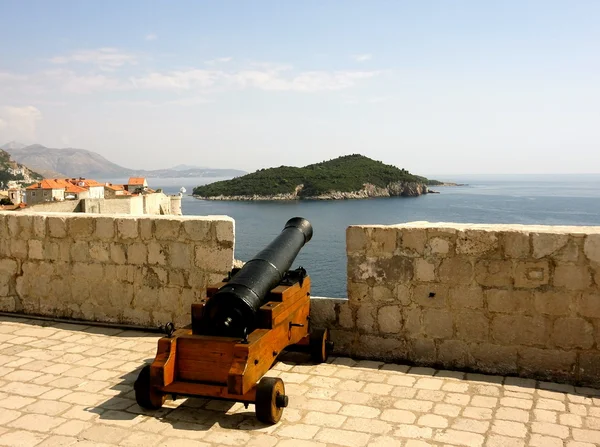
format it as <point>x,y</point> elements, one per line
<point>348,177</point>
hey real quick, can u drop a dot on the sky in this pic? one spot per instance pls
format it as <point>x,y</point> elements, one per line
<point>444,87</point>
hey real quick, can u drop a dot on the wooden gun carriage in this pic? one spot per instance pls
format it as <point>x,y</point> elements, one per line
<point>204,360</point>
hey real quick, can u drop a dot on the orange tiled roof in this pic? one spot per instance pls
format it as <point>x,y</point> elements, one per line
<point>75,188</point>
<point>115,187</point>
<point>50,184</point>
<point>136,181</point>
<point>86,182</point>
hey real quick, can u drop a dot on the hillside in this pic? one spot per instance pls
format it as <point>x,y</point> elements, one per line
<point>83,163</point>
<point>343,177</point>
<point>12,171</point>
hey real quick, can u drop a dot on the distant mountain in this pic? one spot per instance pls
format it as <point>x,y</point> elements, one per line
<point>83,163</point>
<point>12,145</point>
<point>185,167</point>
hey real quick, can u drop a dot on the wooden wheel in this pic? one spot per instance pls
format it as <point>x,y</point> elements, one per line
<point>145,395</point>
<point>320,345</point>
<point>270,400</point>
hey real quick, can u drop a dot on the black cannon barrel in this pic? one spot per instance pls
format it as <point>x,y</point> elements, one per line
<point>232,309</point>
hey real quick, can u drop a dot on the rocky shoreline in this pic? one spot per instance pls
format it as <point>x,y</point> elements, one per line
<point>397,189</point>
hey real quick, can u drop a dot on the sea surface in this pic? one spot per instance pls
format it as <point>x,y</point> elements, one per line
<point>522,199</point>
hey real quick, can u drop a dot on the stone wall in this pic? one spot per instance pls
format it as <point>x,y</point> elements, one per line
<point>139,270</point>
<point>505,299</point>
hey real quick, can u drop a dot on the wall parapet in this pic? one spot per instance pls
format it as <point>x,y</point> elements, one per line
<point>142,270</point>
<point>503,299</point>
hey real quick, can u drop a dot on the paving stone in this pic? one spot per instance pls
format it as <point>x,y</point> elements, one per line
<point>21,438</point>
<point>37,422</point>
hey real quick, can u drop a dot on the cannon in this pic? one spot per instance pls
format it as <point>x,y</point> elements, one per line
<point>237,333</point>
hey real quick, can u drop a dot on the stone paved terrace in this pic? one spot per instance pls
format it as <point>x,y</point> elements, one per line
<point>65,384</point>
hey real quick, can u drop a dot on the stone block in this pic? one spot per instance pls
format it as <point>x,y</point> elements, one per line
<point>20,225</point>
<point>359,292</point>
<point>572,277</point>
<point>519,330</point>
<point>8,304</point>
<point>138,317</point>
<point>146,227</point>
<point>343,341</point>
<point>570,333</point>
<point>180,255</point>
<point>546,363</point>
<point>569,253</point>
<point>589,368</point>
<point>476,242</point>
<point>532,274</point>
<point>167,229</point>
<point>346,317</point>
<point>36,249</point>
<point>18,248</point>
<point>472,326</point>
<point>64,250</point>
<point>81,227</point>
<point>494,272</point>
<point>199,230</point>
<point>545,244</point>
<point>424,270</point>
<point>117,254</point>
<point>552,302</point>
<point>157,253</point>
<point>389,319</point>
<point>456,270</point>
<point>382,240</point>
<point>515,244</point>
<point>365,319</point>
<point>100,251</point>
<point>379,348</point>
<point>438,323</point>
<point>6,281</point>
<point>323,312</point>
<point>357,239</point>
<point>453,354</point>
<point>465,297</point>
<point>492,358</point>
<point>213,259</point>
<point>412,322</point>
<point>39,226</point>
<point>380,270</point>
<point>591,247</point>
<point>383,294</point>
<point>127,228</point>
<point>589,305</point>
<point>80,251</point>
<point>412,241</point>
<point>105,228</point>
<point>430,295</point>
<point>422,351</point>
<point>9,266</point>
<point>508,301</point>
<point>402,294</point>
<point>88,272</point>
<point>439,246</point>
<point>57,226</point>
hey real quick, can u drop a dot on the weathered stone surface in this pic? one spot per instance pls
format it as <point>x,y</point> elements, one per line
<point>457,270</point>
<point>569,333</point>
<point>414,240</point>
<point>519,330</point>
<point>453,353</point>
<point>508,301</point>
<point>127,228</point>
<point>545,244</point>
<point>356,239</point>
<point>552,303</point>
<point>494,272</point>
<point>167,229</point>
<point>494,358</point>
<point>389,319</point>
<point>546,362</point>
<point>439,246</point>
<point>430,295</point>
<point>438,323</point>
<point>465,297</point>
<point>471,326</point>
<point>572,277</point>
<point>424,270</point>
<point>591,247</point>
<point>532,274</point>
<point>382,240</point>
<point>476,242</point>
<point>516,244</point>
<point>589,367</point>
<point>589,305</point>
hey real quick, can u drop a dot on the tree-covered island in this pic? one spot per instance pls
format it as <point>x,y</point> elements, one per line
<point>347,177</point>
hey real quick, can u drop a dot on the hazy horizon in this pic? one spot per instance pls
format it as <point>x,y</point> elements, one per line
<point>438,88</point>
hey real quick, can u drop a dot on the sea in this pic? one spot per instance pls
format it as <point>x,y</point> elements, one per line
<point>519,199</point>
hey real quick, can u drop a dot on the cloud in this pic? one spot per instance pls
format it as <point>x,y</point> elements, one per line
<point>361,57</point>
<point>151,36</point>
<point>277,78</point>
<point>219,60</point>
<point>19,122</point>
<point>106,59</point>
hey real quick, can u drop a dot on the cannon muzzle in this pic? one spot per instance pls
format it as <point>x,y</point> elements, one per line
<point>232,309</point>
